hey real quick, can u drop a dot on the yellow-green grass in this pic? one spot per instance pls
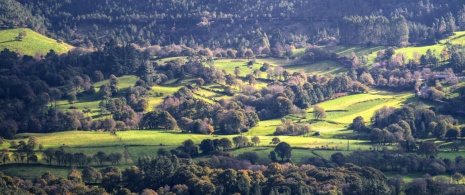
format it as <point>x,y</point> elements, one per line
<point>204,94</point>
<point>298,52</point>
<point>410,51</point>
<point>31,44</point>
<point>165,90</point>
<point>156,137</point>
<point>266,127</point>
<point>229,65</point>
<point>323,67</point>
<point>74,139</point>
<point>343,50</point>
<point>457,38</point>
<point>275,61</point>
<point>345,109</point>
<point>204,99</point>
<point>124,82</point>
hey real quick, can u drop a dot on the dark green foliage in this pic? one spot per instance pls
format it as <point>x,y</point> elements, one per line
<point>250,156</point>
<point>158,119</point>
<point>283,150</point>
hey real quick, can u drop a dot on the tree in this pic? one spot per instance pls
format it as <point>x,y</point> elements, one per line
<point>256,140</point>
<point>21,35</point>
<point>158,119</point>
<point>457,177</point>
<point>338,158</point>
<point>100,157</point>
<point>92,175</point>
<point>358,124</point>
<point>250,156</point>
<point>207,146</point>
<point>111,181</point>
<point>226,143</point>
<point>283,150</point>
<point>440,130</point>
<point>275,140</point>
<point>4,155</point>
<point>248,53</point>
<point>319,113</point>
<point>75,176</point>
<point>452,133</point>
<point>49,155</point>
<point>237,71</point>
<point>240,141</point>
<point>427,148</point>
<point>273,156</point>
<point>189,148</point>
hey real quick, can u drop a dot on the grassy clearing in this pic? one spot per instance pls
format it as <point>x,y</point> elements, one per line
<point>275,61</point>
<point>345,109</point>
<point>92,101</point>
<point>124,82</point>
<point>75,138</point>
<point>323,67</point>
<point>229,66</point>
<point>458,38</point>
<point>343,50</point>
<point>30,45</point>
<point>165,90</point>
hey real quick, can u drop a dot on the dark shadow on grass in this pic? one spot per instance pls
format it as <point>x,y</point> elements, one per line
<point>9,41</point>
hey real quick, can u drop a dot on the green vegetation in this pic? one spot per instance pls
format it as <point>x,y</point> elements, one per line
<point>92,101</point>
<point>323,67</point>
<point>31,44</point>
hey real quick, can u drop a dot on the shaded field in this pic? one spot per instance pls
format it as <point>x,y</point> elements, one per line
<point>31,44</point>
<point>299,155</point>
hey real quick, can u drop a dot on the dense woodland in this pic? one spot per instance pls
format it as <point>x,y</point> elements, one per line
<point>116,38</point>
<point>224,24</point>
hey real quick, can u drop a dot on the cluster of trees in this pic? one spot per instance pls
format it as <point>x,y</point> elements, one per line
<point>166,174</point>
<point>417,121</point>
<point>374,30</point>
<point>169,175</point>
<point>290,128</point>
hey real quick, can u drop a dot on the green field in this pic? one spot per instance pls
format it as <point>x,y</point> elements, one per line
<point>345,109</point>
<point>229,66</point>
<point>323,67</point>
<point>32,44</point>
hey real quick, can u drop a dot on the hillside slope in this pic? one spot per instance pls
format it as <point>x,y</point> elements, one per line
<point>31,44</point>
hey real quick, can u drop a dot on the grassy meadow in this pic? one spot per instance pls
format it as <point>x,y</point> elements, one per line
<point>32,44</point>
<point>323,67</point>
